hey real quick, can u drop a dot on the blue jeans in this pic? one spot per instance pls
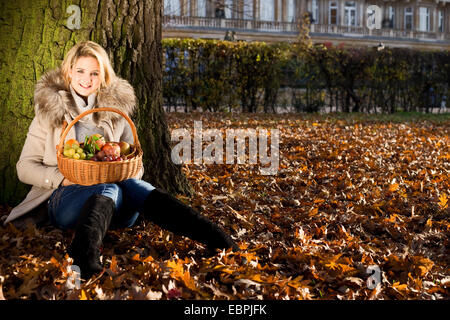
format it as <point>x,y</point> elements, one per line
<point>65,204</point>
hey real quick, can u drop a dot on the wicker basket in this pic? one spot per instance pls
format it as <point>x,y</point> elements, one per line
<point>88,172</point>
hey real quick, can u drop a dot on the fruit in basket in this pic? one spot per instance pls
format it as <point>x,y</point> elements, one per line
<point>69,152</point>
<point>90,149</point>
<point>93,144</point>
<point>73,150</point>
<point>111,149</point>
<point>70,148</point>
<point>72,143</point>
<point>125,148</point>
<point>98,139</point>
<point>102,156</point>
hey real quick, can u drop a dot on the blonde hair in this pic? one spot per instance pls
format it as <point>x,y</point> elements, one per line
<point>88,49</point>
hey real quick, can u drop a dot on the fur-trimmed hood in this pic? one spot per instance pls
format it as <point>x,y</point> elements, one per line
<point>53,100</point>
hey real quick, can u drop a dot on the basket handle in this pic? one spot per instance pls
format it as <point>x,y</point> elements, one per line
<point>81,115</point>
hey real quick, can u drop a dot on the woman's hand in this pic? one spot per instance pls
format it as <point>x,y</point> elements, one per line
<point>66,182</point>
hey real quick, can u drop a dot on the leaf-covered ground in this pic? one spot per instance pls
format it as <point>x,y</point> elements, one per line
<point>349,193</point>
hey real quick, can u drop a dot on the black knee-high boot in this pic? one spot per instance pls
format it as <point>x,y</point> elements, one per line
<point>173,215</point>
<point>93,223</point>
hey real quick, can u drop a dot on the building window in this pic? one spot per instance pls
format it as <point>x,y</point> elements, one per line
<point>441,21</point>
<point>267,10</point>
<point>424,19</point>
<point>291,11</point>
<point>172,7</point>
<point>350,13</point>
<point>333,13</point>
<point>247,9</point>
<point>391,17</point>
<point>315,11</point>
<point>228,9</point>
<point>408,18</point>
<point>201,8</point>
<point>187,8</point>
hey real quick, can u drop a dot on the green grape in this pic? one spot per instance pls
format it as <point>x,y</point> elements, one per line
<point>79,150</point>
<point>76,156</point>
<point>66,153</point>
<point>71,152</point>
<point>83,156</point>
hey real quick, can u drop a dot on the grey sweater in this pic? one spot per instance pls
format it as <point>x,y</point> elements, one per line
<point>85,126</point>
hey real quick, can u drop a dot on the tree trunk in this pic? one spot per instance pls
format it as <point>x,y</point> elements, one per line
<point>35,37</point>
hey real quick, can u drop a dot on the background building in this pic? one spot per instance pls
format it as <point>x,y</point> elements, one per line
<point>422,24</point>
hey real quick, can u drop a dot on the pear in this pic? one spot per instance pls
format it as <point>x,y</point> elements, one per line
<point>125,148</point>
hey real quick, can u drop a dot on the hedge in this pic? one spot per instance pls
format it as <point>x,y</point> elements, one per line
<point>242,76</point>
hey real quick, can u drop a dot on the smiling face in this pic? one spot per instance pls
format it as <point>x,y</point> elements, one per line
<point>85,76</point>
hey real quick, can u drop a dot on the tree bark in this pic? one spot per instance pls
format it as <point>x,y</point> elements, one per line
<point>34,39</point>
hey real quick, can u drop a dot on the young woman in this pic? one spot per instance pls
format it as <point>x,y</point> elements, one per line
<point>86,80</point>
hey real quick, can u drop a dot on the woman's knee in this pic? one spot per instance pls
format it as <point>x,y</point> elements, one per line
<point>135,192</point>
<point>66,206</point>
<point>136,186</point>
<point>113,191</point>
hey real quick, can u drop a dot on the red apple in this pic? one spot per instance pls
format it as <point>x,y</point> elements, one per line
<point>124,148</point>
<point>111,149</point>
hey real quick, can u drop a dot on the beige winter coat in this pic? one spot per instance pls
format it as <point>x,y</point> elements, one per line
<point>55,104</point>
